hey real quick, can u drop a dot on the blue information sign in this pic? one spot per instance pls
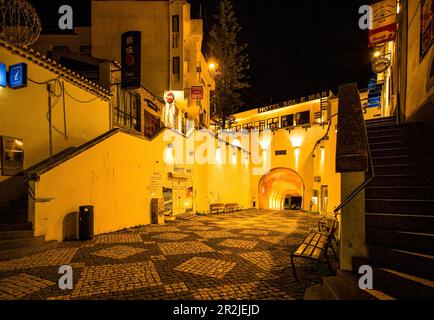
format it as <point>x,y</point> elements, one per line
<point>3,77</point>
<point>18,76</point>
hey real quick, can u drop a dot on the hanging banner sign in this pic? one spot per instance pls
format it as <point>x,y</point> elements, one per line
<point>383,22</point>
<point>131,59</point>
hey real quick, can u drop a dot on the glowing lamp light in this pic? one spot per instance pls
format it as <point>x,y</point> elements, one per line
<point>296,141</point>
<point>377,54</point>
<point>212,66</point>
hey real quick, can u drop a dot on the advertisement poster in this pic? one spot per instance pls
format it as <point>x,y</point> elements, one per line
<point>12,156</point>
<point>426,27</point>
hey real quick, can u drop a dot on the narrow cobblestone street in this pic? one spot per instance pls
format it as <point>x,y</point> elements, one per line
<point>243,255</point>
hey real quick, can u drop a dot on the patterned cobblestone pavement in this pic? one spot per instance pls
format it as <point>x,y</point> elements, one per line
<point>234,256</point>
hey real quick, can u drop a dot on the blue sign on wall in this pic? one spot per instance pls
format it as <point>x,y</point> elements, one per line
<point>3,77</point>
<point>18,76</point>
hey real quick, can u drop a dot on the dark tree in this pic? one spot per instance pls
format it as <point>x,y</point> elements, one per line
<point>232,63</point>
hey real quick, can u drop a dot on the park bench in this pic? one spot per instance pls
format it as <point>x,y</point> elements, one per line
<point>316,244</point>
<point>217,208</point>
<point>232,207</point>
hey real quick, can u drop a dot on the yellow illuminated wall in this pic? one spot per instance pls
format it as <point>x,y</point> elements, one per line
<point>24,113</point>
<point>115,177</point>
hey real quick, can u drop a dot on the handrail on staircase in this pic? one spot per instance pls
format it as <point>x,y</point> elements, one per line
<point>364,184</point>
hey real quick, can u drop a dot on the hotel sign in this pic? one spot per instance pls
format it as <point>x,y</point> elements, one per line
<point>292,102</point>
<point>383,22</point>
<point>131,59</point>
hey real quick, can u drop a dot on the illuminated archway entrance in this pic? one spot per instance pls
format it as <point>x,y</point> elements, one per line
<point>281,189</point>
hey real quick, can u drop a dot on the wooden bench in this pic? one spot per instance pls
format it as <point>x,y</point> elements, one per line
<point>232,207</point>
<point>217,208</point>
<point>316,244</point>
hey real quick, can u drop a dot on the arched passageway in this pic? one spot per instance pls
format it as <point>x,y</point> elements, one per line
<point>281,188</point>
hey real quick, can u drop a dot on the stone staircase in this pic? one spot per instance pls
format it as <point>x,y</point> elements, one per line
<point>399,217</point>
<point>16,233</point>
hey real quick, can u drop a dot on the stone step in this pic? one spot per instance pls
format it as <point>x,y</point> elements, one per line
<point>13,218</point>
<point>351,282</point>
<point>27,250</point>
<point>420,265</point>
<point>391,143</point>
<point>402,240</point>
<point>390,169</point>
<point>398,192</point>
<point>333,290</point>
<point>392,160</point>
<point>400,206</point>
<point>389,152</point>
<point>401,222</point>
<point>404,180</point>
<point>20,243</point>
<point>17,234</point>
<point>315,293</point>
<point>401,285</point>
<point>381,120</point>
<point>16,226</point>
<point>377,138</point>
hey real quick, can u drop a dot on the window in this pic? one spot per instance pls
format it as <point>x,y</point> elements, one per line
<point>151,125</point>
<point>175,23</point>
<point>175,31</point>
<point>176,65</point>
<point>273,123</point>
<point>127,109</point>
<point>288,121</point>
<point>303,118</point>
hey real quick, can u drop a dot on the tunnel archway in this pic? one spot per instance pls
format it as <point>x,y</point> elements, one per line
<point>281,189</point>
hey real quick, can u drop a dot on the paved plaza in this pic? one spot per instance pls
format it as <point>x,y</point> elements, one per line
<point>243,255</point>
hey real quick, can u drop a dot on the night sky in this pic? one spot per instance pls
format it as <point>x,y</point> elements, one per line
<point>296,48</point>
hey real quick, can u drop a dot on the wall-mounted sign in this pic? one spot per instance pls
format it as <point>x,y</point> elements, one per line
<point>3,75</point>
<point>169,97</point>
<point>197,93</point>
<point>131,59</point>
<point>12,156</point>
<point>380,65</point>
<point>293,102</point>
<point>18,76</point>
<point>383,22</point>
<point>426,27</point>
<point>280,153</point>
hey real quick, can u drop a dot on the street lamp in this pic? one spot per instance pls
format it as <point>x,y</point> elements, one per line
<point>212,66</point>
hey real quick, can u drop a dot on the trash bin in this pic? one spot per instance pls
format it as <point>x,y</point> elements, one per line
<point>85,226</point>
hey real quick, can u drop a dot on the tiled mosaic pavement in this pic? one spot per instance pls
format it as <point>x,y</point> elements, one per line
<point>243,255</point>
